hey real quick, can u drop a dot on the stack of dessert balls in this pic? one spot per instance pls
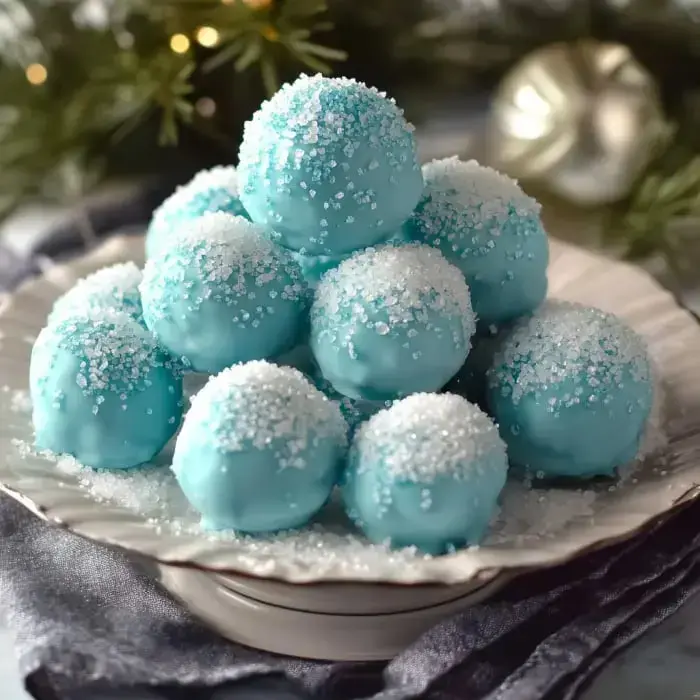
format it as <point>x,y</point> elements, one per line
<point>367,324</point>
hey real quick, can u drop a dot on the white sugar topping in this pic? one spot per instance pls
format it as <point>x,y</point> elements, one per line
<point>426,436</point>
<point>117,284</point>
<point>115,353</point>
<point>567,342</point>
<point>403,280</point>
<point>223,176</point>
<point>223,249</point>
<point>263,405</point>
<point>471,185</point>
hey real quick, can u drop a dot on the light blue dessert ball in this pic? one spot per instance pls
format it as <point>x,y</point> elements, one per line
<point>113,288</point>
<point>486,225</point>
<point>313,267</point>
<point>103,391</point>
<point>425,473</point>
<point>571,389</point>
<point>222,293</point>
<point>260,449</point>
<point>208,191</point>
<point>330,165</point>
<point>391,321</point>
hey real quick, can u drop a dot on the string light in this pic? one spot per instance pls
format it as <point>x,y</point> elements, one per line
<point>207,37</point>
<point>179,43</point>
<point>36,74</point>
<point>270,33</point>
<point>258,4</point>
<point>206,107</point>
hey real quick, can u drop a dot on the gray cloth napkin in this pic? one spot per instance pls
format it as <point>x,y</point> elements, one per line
<point>88,617</point>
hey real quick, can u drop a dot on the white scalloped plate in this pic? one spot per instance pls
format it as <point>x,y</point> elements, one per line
<point>577,521</point>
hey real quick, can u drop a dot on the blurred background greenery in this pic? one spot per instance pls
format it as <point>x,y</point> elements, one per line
<point>593,104</point>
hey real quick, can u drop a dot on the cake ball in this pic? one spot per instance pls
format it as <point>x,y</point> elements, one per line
<point>115,287</point>
<point>208,191</point>
<point>313,267</point>
<point>571,389</point>
<point>426,472</point>
<point>330,165</point>
<point>260,449</point>
<point>391,321</point>
<point>222,292</point>
<point>488,227</point>
<point>103,391</point>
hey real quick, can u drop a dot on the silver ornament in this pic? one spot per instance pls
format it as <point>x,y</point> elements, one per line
<point>583,119</point>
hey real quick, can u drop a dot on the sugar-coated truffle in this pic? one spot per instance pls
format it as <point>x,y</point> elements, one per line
<point>208,191</point>
<point>115,287</point>
<point>222,292</point>
<point>260,449</point>
<point>571,390</point>
<point>313,267</point>
<point>391,321</point>
<point>426,472</point>
<point>486,225</point>
<point>103,391</point>
<point>329,165</point>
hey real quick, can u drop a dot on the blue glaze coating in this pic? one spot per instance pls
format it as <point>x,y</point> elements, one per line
<point>571,390</point>
<point>425,473</point>
<point>391,321</point>
<point>487,226</point>
<point>209,191</point>
<point>223,293</point>
<point>330,165</point>
<point>313,267</point>
<point>260,449</point>
<point>102,391</point>
<point>115,288</point>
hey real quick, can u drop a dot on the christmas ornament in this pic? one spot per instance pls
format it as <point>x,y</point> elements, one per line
<point>582,119</point>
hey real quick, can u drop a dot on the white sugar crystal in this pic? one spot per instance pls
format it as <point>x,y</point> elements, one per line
<point>429,435</point>
<point>478,187</point>
<point>116,354</point>
<point>224,249</point>
<point>567,342</point>
<point>220,176</point>
<point>402,280</point>
<point>115,284</point>
<point>260,403</point>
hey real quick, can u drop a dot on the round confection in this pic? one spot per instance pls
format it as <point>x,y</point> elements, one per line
<point>486,225</point>
<point>426,472</point>
<point>329,165</point>
<point>391,321</point>
<point>260,449</point>
<point>571,390</point>
<point>209,191</point>
<point>223,293</point>
<point>115,287</point>
<point>103,391</point>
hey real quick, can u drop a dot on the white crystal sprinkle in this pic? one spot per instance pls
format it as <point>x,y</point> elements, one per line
<point>428,435</point>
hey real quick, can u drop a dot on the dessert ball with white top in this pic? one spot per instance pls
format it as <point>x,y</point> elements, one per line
<point>103,391</point>
<point>571,389</point>
<point>391,321</point>
<point>488,227</point>
<point>222,292</point>
<point>207,192</point>
<point>329,165</point>
<point>113,288</point>
<point>426,473</point>
<point>260,449</point>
